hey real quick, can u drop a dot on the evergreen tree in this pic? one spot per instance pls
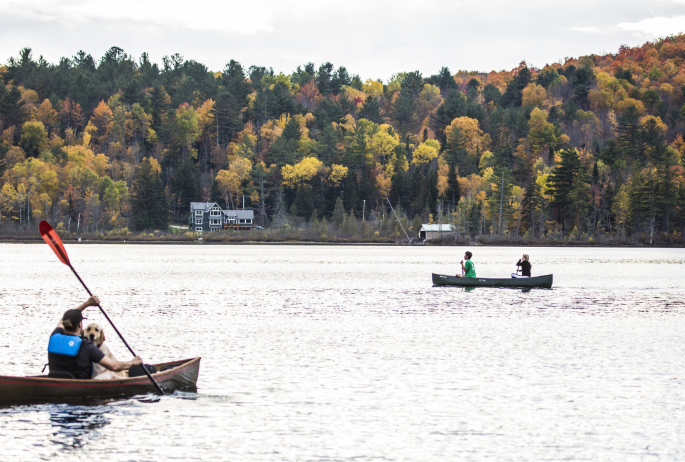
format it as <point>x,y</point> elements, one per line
<point>666,196</point>
<point>562,183</point>
<point>432,191</point>
<point>304,201</point>
<point>292,130</point>
<point>371,111</point>
<point>186,184</point>
<point>454,105</point>
<point>350,197</point>
<point>327,147</point>
<point>149,207</point>
<point>338,213</point>
<point>580,198</point>
<point>280,218</point>
<point>452,194</point>
<point>643,201</point>
<point>12,108</point>
<point>513,95</point>
<point>629,132</point>
<point>531,207</point>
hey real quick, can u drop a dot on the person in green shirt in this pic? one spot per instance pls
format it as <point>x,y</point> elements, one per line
<point>467,266</point>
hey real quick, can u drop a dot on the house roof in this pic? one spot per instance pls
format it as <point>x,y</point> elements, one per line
<point>204,206</point>
<point>437,228</point>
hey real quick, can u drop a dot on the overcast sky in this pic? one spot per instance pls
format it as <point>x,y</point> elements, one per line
<point>372,38</point>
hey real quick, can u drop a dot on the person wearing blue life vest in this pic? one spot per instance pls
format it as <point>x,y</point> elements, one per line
<point>70,355</point>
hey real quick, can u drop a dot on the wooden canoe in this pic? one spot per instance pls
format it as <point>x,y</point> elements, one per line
<point>537,281</point>
<point>174,375</point>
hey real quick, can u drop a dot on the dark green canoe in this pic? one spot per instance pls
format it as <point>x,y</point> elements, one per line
<point>537,281</point>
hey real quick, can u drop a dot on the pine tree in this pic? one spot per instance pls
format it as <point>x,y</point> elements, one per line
<point>338,213</point>
<point>350,197</point>
<point>149,207</point>
<point>562,183</point>
<point>186,184</point>
<point>513,95</point>
<point>629,132</point>
<point>280,218</point>
<point>12,108</point>
<point>666,196</point>
<point>580,198</point>
<point>531,207</point>
<point>452,193</point>
<point>432,191</point>
<point>304,201</point>
<point>371,111</point>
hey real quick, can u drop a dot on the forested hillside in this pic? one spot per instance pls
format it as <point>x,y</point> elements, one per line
<point>588,148</point>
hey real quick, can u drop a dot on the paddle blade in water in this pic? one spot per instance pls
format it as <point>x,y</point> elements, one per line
<point>52,239</point>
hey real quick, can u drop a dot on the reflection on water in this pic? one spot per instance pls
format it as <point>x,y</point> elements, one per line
<point>73,425</point>
<point>348,353</point>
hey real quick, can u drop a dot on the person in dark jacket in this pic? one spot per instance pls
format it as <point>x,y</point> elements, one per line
<point>524,265</point>
<point>78,361</point>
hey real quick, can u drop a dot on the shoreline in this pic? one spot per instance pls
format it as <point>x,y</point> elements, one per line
<point>491,242</point>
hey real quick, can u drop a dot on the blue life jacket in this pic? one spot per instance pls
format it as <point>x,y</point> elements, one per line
<point>66,345</point>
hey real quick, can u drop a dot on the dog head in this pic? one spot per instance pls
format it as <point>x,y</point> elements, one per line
<point>95,334</point>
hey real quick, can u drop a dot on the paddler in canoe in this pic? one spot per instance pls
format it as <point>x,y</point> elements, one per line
<point>71,356</point>
<point>524,267</point>
<point>467,267</point>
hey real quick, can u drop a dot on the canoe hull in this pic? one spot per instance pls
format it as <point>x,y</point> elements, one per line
<point>181,376</point>
<point>534,282</point>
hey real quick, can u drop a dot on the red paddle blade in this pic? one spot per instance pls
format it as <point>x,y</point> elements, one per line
<point>52,239</point>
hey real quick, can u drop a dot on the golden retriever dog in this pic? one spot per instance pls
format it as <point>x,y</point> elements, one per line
<point>95,334</point>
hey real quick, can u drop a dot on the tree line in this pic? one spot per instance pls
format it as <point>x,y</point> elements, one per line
<point>587,148</point>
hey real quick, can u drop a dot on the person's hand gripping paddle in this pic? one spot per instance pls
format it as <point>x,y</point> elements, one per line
<point>52,239</point>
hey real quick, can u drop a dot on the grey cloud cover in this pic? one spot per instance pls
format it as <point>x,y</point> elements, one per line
<point>372,38</point>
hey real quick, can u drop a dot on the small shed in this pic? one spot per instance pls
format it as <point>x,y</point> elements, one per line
<point>428,232</point>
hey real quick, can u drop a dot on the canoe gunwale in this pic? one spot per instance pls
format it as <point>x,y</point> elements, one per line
<point>544,281</point>
<point>15,388</point>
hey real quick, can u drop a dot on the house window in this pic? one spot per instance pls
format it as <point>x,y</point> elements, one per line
<point>198,221</point>
<point>215,212</point>
<point>231,220</point>
<point>214,221</point>
<point>213,229</point>
<point>198,229</point>
<point>248,221</point>
<point>198,213</point>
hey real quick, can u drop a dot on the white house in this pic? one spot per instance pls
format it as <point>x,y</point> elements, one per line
<point>428,232</point>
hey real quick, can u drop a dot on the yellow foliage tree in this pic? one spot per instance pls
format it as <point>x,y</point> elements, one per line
<point>102,120</point>
<point>474,139</point>
<point>424,153</point>
<point>373,87</point>
<point>338,173</point>
<point>384,185</point>
<point>534,95</point>
<point>301,172</point>
<point>230,182</point>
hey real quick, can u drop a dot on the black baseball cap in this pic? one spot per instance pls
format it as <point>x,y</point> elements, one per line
<point>75,316</point>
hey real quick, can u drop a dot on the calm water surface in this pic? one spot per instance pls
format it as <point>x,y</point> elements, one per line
<point>323,353</point>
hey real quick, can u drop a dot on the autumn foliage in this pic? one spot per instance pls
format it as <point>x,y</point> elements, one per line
<point>589,148</point>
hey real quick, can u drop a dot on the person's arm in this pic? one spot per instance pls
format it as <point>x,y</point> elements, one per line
<point>92,301</point>
<point>518,263</point>
<point>116,366</point>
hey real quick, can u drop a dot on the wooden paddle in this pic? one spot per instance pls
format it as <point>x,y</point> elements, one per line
<point>52,239</point>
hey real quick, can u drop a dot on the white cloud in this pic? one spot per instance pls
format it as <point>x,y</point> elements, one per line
<point>655,27</point>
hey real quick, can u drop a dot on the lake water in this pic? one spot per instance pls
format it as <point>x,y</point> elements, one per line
<point>336,353</point>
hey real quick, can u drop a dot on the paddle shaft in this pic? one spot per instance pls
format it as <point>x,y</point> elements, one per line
<point>154,382</point>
